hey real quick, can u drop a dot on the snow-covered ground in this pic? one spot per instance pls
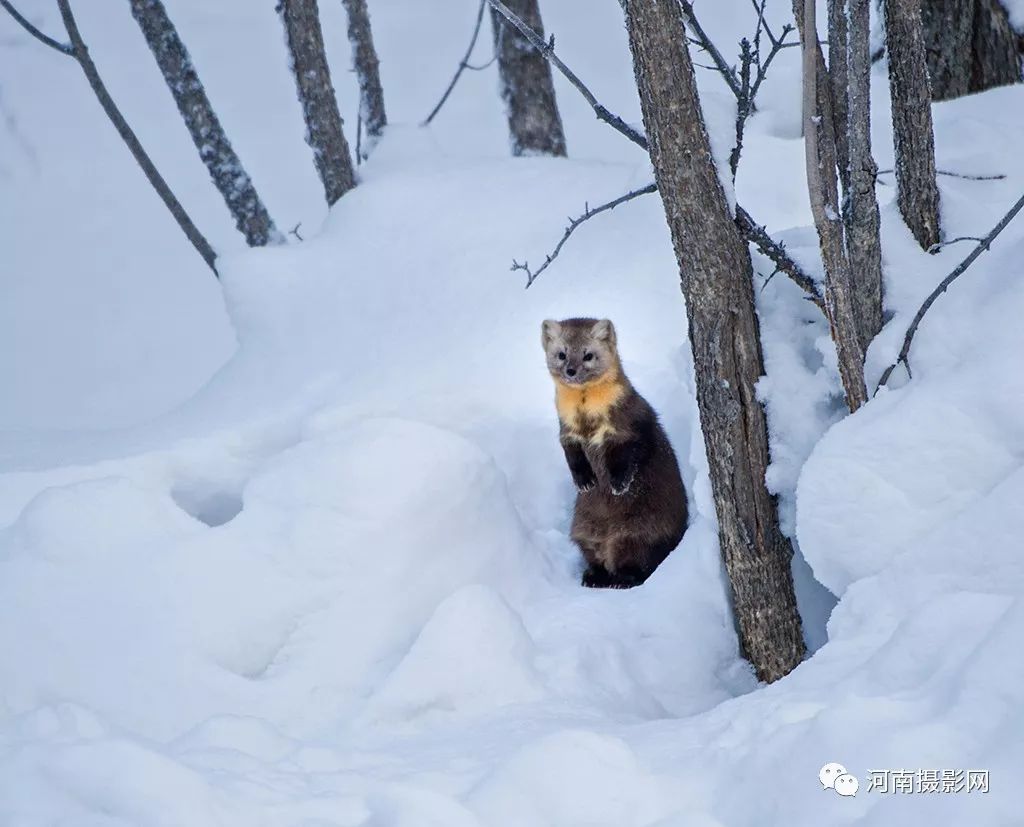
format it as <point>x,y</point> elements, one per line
<point>291,549</point>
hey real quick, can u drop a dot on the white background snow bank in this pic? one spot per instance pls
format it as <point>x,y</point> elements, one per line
<point>335,586</point>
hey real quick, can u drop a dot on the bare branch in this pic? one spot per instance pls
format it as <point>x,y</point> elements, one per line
<point>63,48</point>
<point>81,54</point>
<point>716,56</point>
<point>904,354</point>
<point>776,253</point>
<point>463,64</point>
<point>749,229</point>
<point>936,247</point>
<point>548,50</point>
<point>531,275</point>
<point>967,177</point>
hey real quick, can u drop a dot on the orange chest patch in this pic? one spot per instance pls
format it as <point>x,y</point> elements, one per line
<point>586,410</point>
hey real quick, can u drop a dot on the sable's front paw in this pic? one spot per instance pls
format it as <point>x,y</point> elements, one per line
<point>596,577</point>
<point>585,483</point>
<point>621,485</point>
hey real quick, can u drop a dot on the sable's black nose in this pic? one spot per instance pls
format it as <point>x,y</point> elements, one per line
<point>570,371</point>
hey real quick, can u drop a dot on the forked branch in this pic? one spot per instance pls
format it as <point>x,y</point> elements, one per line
<point>80,52</point>
<point>904,354</point>
<point>749,229</point>
<point>531,275</point>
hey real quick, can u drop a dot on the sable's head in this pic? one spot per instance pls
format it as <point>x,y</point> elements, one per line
<point>580,351</point>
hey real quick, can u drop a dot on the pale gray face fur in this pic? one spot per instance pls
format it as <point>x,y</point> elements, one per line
<point>579,350</point>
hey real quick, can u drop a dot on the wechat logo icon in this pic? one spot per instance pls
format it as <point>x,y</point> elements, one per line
<point>834,776</point>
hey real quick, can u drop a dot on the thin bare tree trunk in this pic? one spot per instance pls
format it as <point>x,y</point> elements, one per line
<point>860,205</point>
<point>838,75</point>
<point>823,188</point>
<point>715,271</point>
<point>225,167</point>
<point>970,46</point>
<point>535,126</point>
<point>81,54</point>
<point>367,69</point>
<point>324,132</point>
<point>917,193</point>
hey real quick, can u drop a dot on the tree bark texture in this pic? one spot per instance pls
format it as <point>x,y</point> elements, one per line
<point>225,167</point>
<point>917,193</point>
<point>860,205</point>
<point>367,69</point>
<point>970,46</point>
<point>81,53</point>
<point>324,132</point>
<point>716,275</point>
<point>822,188</point>
<point>838,76</point>
<point>535,126</point>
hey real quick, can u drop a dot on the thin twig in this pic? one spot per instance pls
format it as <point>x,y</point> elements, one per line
<point>777,46</point>
<point>63,48</point>
<point>966,176</point>
<point>749,229</point>
<point>531,275</point>
<point>295,231</point>
<point>904,354</point>
<point>548,50</point>
<point>726,71</point>
<point>936,247</point>
<point>463,64</point>
<point>776,252</point>
<point>762,22</point>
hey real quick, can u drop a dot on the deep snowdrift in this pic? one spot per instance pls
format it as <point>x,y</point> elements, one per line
<point>335,587</point>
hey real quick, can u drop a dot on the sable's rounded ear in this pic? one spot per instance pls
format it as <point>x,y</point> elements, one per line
<point>604,331</point>
<point>548,330</point>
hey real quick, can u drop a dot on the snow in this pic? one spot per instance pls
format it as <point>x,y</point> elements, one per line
<point>291,548</point>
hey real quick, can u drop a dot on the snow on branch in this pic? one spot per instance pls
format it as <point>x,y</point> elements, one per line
<point>776,252</point>
<point>985,243</point>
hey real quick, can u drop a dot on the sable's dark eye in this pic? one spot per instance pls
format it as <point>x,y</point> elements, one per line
<point>588,357</point>
<point>561,356</point>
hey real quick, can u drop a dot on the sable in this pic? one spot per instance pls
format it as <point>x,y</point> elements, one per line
<point>631,507</point>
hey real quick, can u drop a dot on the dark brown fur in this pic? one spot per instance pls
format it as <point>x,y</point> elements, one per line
<point>631,506</point>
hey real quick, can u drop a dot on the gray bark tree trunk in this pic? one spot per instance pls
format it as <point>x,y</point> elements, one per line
<point>80,52</point>
<point>838,75</point>
<point>970,46</point>
<point>215,150</point>
<point>716,275</point>
<point>535,126</point>
<point>820,156</point>
<point>860,205</point>
<point>917,192</point>
<point>324,132</point>
<point>367,69</point>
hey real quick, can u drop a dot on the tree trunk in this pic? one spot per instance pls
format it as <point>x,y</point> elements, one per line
<point>535,127</point>
<point>324,132</point>
<point>80,52</point>
<point>367,69</point>
<point>225,167</point>
<point>716,276</point>
<point>838,75</point>
<point>917,193</point>
<point>820,157</point>
<point>970,46</point>
<point>860,206</point>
